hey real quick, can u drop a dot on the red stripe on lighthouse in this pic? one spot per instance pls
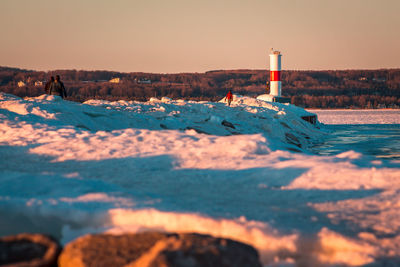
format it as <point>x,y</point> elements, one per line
<point>275,75</point>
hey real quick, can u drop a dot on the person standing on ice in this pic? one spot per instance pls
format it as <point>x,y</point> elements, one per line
<point>57,88</point>
<point>47,86</point>
<point>229,97</point>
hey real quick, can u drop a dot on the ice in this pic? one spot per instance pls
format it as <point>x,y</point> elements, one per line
<point>348,116</point>
<point>246,172</point>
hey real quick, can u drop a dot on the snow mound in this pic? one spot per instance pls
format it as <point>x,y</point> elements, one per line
<point>279,123</point>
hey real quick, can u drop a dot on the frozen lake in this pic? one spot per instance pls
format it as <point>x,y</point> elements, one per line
<point>369,132</point>
<point>358,116</point>
<point>379,140</point>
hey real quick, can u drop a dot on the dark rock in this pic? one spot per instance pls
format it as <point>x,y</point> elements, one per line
<point>107,250</point>
<point>284,124</point>
<point>227,124</point>
<point>292,139</point>
<point>157,249</point>
<point>28,250</point>
<point>196,251</point>
<point>197,130</point>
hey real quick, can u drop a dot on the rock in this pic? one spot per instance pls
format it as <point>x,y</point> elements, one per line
<point>284,124</point>
<point>153,249</point>
<point>227,124</point>
<point>29,250</point>
<point>292,139</point>
<point>107,250</point>
<point>197,130</point>
<point>196,250</point>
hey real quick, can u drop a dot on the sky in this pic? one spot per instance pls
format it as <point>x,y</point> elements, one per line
<point>195,36</point>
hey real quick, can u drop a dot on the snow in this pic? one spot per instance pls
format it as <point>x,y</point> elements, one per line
<point>244,172</point>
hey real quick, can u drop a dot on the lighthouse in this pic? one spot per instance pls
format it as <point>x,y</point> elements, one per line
<point>275,84</point>
<point>275,67</point>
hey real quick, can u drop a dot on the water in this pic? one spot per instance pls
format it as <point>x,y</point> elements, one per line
<point>379,140</point>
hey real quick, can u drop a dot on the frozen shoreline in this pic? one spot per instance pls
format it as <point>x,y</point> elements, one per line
<point>128,166</point>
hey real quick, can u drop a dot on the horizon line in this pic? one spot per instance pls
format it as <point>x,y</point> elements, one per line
<point>193,72</point>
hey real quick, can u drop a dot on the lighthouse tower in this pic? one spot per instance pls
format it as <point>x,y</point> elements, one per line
<point>275,67</point>
<point>275,84</point>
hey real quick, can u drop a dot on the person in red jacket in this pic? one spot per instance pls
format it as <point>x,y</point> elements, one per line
<point>229,97</point>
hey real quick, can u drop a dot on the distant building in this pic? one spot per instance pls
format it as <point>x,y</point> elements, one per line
<point>115,80</point>
<point>379,80</point>
<point>381,106</point>
<point>144,80</point>
<point>21,84</point>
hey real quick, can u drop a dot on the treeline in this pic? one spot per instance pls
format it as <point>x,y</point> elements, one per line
<point>310,89</point>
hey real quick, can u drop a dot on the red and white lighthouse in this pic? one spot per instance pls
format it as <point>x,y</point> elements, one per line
<point>275,73</point>
<point>275,84</point>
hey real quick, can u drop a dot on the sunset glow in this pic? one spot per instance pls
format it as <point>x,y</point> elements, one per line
<point>196,36</point>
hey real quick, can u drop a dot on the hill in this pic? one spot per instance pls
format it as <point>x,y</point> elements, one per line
<point>309,89</point>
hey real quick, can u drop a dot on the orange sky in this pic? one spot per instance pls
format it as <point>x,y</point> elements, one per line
<point>196,36</point>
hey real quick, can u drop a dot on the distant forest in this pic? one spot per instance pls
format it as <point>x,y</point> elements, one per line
<point>310,89</point>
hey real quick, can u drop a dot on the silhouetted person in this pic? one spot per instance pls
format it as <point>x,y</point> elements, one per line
<point>57,88</point>
<point>229,97</point>
<point>47,86</point>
